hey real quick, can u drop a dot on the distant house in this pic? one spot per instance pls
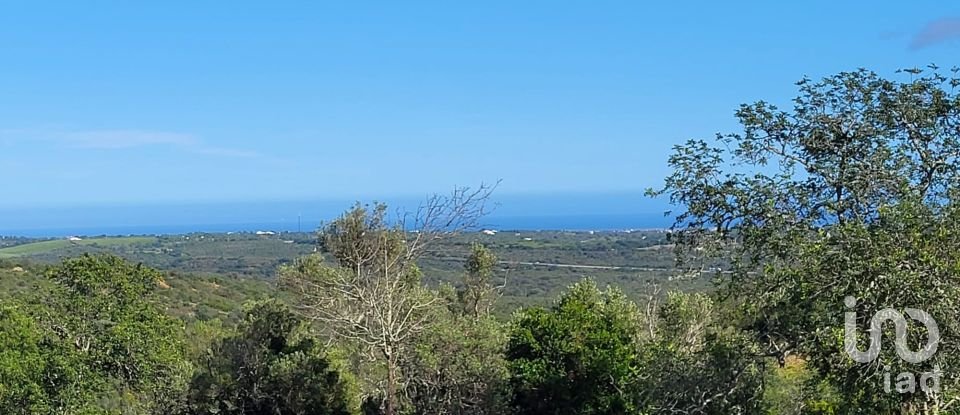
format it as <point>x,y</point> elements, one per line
<point>488,232</point>
<point>74,239</point>
<point>266,233</point>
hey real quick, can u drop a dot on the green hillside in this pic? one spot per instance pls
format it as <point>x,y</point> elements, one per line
<point>37,248</point>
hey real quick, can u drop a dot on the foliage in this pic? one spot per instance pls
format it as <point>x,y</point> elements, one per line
<point>695,364</point>
<point>204,297</point>
<point>852,192</point>
<point>794,389</point>
<point>269,366</point>
<point>38,376</point>
<point>372,295</point>
<point>578,357</point>
<point>100,308</point>
<point>479,292</point>
<point>100,344</point>
<point>457,365</point>
<point>593,352</point>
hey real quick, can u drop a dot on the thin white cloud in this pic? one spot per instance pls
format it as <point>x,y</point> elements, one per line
<point>937,31</point>
<point>119,139</point>
<point>127,139</point>
<point>225,152</point>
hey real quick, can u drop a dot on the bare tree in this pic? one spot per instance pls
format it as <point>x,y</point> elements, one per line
<point>372,293</point>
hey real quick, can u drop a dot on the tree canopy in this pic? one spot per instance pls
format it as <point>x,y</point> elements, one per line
<point>850,192</point>
<point>94,344</point>
<point>271,365</point>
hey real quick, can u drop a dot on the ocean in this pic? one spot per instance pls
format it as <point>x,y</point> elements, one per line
<point>527,223</point>
<point>598,212</point>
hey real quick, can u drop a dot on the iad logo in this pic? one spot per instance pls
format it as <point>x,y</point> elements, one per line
<point>906,382</point>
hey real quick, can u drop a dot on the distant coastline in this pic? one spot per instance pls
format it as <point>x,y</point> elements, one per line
<point>575,211</point>
<point>600,222</point>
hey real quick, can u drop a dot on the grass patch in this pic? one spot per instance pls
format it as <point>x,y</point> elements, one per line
<point>47,246</point>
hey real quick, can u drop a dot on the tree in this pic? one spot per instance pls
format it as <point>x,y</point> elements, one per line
<point>37,377</point>
<point>852,192</point>
<point>479,292</point>
<point>269,366</point>
<point>372,294</point>
<point>92,342</point>
<point>457,365</point>
<point>595,353</point>
<point>578,357</point>
<point>696,364</point>
<point>102,308</point>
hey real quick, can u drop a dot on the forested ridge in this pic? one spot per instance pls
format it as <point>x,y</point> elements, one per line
<point>809,222</point>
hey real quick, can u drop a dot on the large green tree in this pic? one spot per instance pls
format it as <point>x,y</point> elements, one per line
<point>37,375</point>
<point>271,365</point>
<point>852,191</point>
<point>91,341</point>
<point>578,357</point>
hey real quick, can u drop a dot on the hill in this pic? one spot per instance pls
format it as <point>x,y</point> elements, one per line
<point>535,265</point>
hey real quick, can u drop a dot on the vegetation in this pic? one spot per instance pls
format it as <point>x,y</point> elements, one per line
<point>811,222</point>
<point>48,246</point>
<point>626,259</point>
<point>458,364</point>
<point>852,193</point>
<point>579,357</point>
<point>373,295</point>
<point>92,343</point>
<point>271,365</point>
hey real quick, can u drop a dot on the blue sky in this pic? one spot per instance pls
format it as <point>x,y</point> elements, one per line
<point>105,103</point>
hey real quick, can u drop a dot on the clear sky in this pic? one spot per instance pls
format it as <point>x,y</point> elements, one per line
<point>112,102</point>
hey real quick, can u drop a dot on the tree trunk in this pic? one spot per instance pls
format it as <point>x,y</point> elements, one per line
<point>391,404</point>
